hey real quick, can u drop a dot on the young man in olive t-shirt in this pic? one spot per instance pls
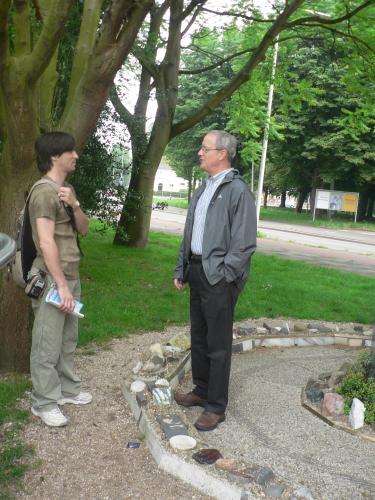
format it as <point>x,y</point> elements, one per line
<point>55,217</point>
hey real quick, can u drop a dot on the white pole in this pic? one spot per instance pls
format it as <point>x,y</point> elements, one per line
<point>267,128</point>
<point>252,176</point>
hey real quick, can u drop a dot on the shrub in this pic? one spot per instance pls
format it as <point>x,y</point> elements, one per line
<point>359,384</point>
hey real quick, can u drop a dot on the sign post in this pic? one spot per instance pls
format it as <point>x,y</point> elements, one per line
<point>339,201</point>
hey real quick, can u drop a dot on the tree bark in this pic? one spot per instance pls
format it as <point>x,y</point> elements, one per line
<point>265,197</point>
<point>362,203</point>
<point>282,200</point>
<point>135,219</point>
<point>27,80</point>
<point>17,173</point>
<point>301,200</point>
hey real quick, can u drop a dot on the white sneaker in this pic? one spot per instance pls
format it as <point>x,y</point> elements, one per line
<point>83,398</point>
<point>52,418</point>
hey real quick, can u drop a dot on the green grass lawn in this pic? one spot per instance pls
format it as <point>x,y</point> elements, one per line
<point>129,290</point>
<point>289,215</point>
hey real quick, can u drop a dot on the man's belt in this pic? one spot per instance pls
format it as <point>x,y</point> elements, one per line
<point>196,258</point>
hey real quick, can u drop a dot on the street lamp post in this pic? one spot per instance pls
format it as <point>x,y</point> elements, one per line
<point>267,128</point>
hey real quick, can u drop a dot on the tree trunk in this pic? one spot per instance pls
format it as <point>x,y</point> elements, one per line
<point>362,203</point>
<point>265,198</point>
<point>301,200</point>
<point>15,311</point>
<point>283,200</point>
<point>315,183</point>
<point>370,208</point>
<point>190,184</point>
<point>135,218</point>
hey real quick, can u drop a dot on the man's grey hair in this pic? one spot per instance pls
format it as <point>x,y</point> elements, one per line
<point>226,141</point>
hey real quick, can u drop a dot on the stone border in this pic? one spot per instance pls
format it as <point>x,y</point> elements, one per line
<point>205,478</point>
<point>330,421</point>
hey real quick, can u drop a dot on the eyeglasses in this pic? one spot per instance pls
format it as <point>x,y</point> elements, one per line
<point>205,150</point>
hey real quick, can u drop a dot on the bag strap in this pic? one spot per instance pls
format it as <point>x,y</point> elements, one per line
<point>68,210</point>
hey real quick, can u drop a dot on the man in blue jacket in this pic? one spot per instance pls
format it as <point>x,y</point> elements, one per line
<point>219,239</point>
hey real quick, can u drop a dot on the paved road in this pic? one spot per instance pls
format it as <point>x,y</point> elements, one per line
<point>267,425</point>
<point>347,250</point>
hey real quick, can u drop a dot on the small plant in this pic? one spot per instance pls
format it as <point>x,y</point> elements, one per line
<point>359,384</point>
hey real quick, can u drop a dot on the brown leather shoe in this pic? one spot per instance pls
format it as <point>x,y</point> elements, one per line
<point>189,399</point>
<point>208,421</point>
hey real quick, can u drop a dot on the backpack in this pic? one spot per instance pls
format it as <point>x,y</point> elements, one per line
<point>26,250</point>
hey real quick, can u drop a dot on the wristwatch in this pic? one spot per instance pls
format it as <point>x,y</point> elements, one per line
<point>77,205</point>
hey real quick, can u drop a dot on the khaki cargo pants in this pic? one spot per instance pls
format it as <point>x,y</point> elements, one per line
<point>54,340</point>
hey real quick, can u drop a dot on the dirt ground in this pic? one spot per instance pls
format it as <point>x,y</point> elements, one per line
<point>89,459</point>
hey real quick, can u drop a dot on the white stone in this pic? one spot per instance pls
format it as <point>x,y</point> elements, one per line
<point>157,350</point>
<point>137,367</point>
<point>162,382</point>
<point>162,395</point>
<point>182,442</point>
<point>357,414</point>
<point>261,330</point>
<point>138,386</point>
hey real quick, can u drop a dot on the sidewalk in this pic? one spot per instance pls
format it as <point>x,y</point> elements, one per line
<point>267,425</point>
<point>172,221</point>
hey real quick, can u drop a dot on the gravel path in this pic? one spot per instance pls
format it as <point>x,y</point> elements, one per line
<point>89,459</point>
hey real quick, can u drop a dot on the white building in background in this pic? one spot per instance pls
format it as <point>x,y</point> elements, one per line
<point>167,180</point>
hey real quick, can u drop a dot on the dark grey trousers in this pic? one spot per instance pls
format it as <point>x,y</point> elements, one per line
<point>211,316</point>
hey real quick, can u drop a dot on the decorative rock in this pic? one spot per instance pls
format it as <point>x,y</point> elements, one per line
<point>137,368</point>
<point>267,326</point>
<point>162,382</point>
<point>285,330</point>
<point>226,464</point>
<point>182,442</point>
<point>261,331</point>
<point>358,328</point>
<point>151,367</point>
<point>275,490</point>
<point>313,326</point>
<point>357,414</point>
<point>180,340</point>
<point>207,456</point>
<point>332,405</point>
<point>303,493</point>
<point>162,395</point>
<point>156,350</point>
<point>260,475</point>
<point>314,390</point>
<point>171,349</point>
<point>172,425</point>
<point>300,327</point>
<point>275,330</point>
<point>324,329</point>
<point>313,330</point>
<point>246,328</point>
<point>319,328</point>
<point>141,398</point>
<point>138,386</point>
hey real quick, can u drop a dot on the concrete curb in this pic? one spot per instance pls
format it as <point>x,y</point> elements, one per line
<point>208,480</point>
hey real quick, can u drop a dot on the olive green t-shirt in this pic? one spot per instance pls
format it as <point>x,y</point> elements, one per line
<point>44,202</point>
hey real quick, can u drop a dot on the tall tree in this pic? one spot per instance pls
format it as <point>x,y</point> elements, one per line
<point>31,48</point>
<point>164,78</point>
